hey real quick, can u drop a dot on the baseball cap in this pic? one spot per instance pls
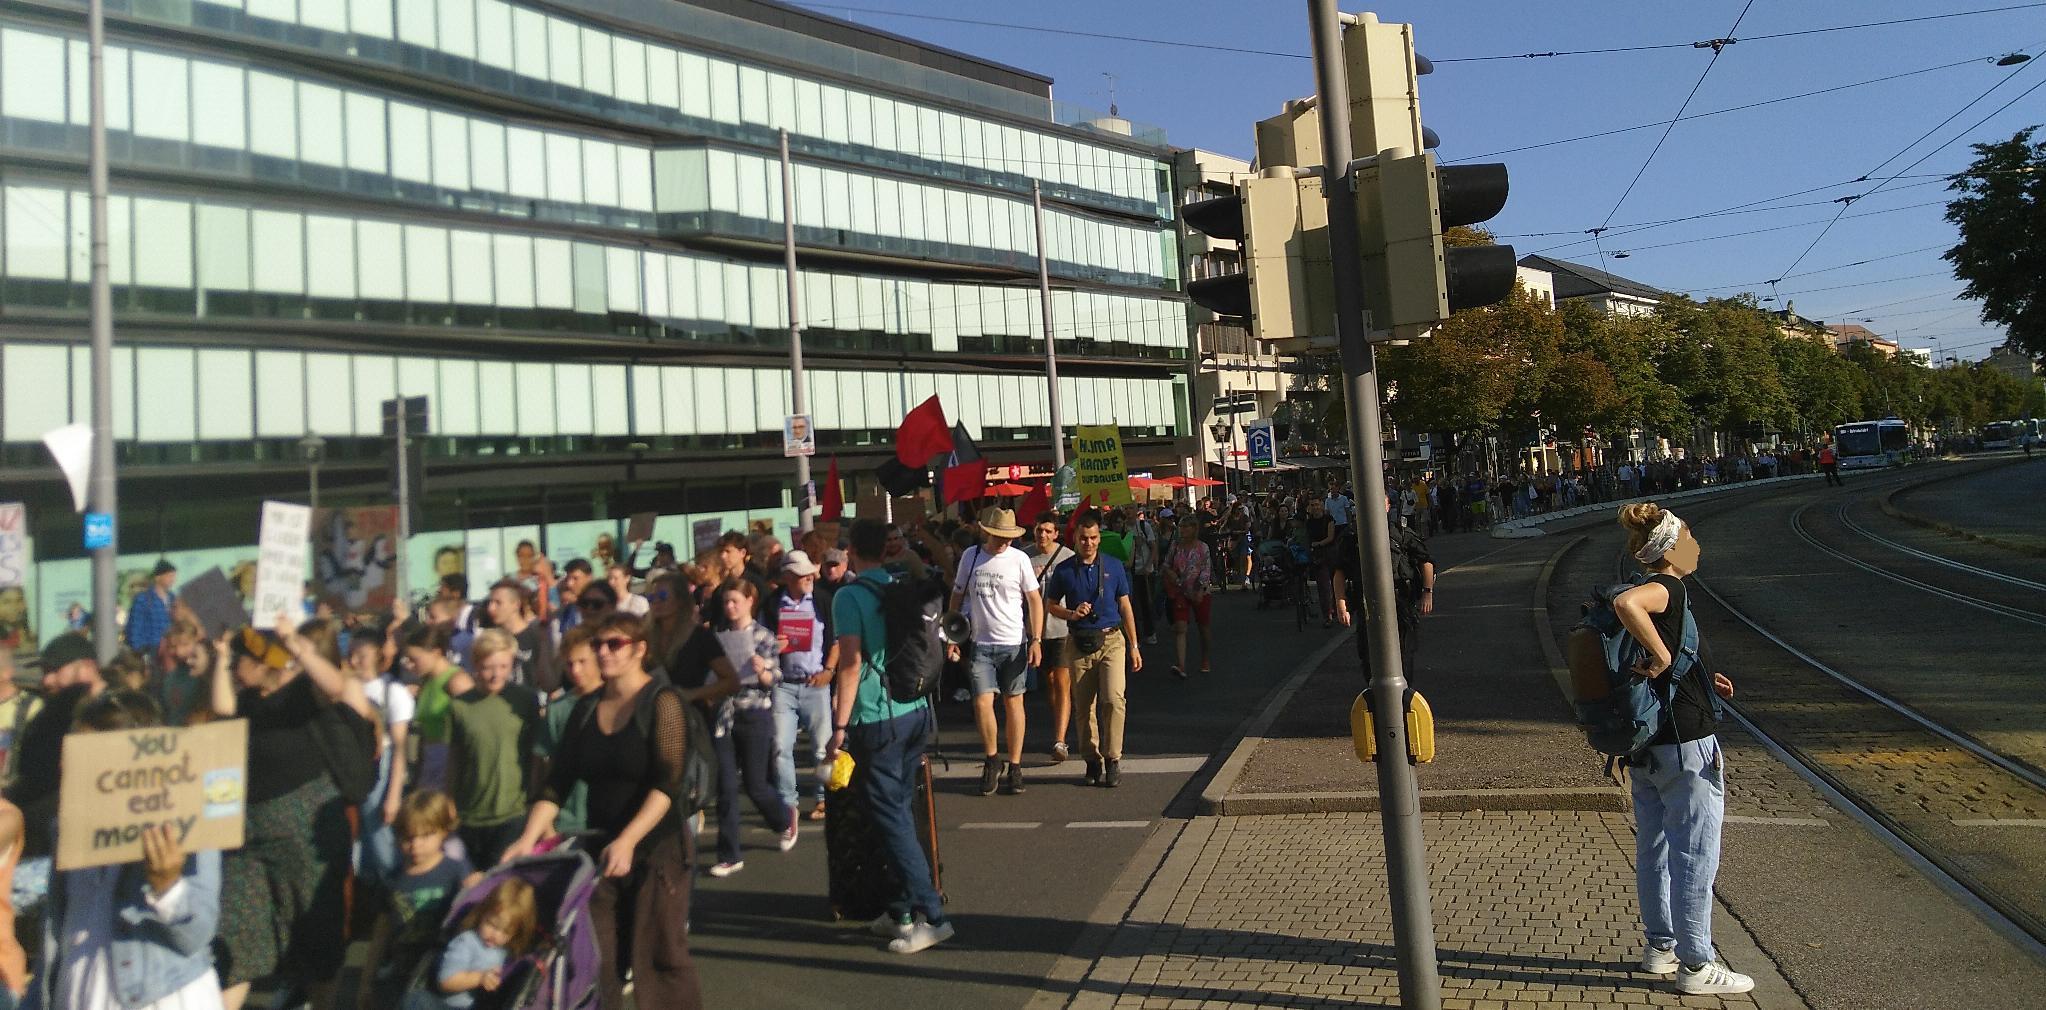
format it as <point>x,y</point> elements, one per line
<point>65,649</point>
<point>835,556</point>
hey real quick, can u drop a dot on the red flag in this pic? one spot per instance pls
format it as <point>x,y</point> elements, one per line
<point>965,481</point>
<point>832,500</point>
<point>923,434</point>
<point>1033,505</point>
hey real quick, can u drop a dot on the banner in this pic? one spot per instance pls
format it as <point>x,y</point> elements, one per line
<point>13,545</point>
<point>704,534</point>
<point>1100,475</point>
<point>354,557</point>
<point>117,785</point>
<point>280,563</point>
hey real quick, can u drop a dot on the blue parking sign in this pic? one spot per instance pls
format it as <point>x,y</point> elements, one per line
<point>99,530</point>
<point>1263,449</point>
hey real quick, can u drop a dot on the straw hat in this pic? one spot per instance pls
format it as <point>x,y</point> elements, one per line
<point>1000,522</point>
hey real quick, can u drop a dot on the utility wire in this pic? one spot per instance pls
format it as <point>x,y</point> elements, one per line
<point>1718,49</point>
<point>1822,270</point>
<point>1730,39</point>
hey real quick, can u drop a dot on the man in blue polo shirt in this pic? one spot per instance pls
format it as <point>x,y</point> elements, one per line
<point>886,739</point>
<point>1091,593</point>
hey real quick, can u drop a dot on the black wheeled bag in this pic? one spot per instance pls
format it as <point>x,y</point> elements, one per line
<point>860,883</point>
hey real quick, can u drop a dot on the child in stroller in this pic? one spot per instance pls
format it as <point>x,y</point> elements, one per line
<point>556,971</point>
<point>499,928</point>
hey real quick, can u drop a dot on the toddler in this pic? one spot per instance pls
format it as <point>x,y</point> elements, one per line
<point>500,927</point>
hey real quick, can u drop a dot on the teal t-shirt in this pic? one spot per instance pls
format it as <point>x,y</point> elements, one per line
<point>857,611</point>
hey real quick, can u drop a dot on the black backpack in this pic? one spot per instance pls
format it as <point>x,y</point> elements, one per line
<point>699,758</point>
<point>912,609</point>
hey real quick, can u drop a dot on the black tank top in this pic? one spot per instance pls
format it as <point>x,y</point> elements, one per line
<point>1691,715</point>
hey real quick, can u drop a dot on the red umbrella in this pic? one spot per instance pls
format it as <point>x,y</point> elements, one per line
<point>1140,483</point>
<point>1173,481</point>
<point>1007,489</point>
<point>1202,482</point>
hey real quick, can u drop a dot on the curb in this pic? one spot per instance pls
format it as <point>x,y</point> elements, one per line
<point>1559,670</point>
<point>1212,797</point>
<point>1894,511</point>
<point>1600,800</point>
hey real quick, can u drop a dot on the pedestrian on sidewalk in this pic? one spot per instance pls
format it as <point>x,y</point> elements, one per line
<point>1091,593</point>
<point>1413,588</point>
<point>886,739</point>
<point>1679,781</point>
<point>1186,583</point>
<point>1045,555</point>
<point>999,590</point>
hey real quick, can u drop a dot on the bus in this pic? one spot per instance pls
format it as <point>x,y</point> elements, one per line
<point>1867,445</point>
<point>2000,435</point>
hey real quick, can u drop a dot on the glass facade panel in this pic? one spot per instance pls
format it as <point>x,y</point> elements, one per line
<point>628,69</point>
<point>534,382</point>
<point>279,244</point>
<point>29,62</point>
<point>370,17</point>
<point>526,158</point>
<point>513,261</point>
<point>450,151</point>
<point>411,150</point>
<point>426,264</point>
<point>553,274</point>
<point>380,260</point>
<point>529,43</point>
<point>494,34</point>
<point>224,247</point>
<point>367,151</point>
<point>319,124</point>
<point>469,254</point>
<point>486,156</point>
<point>597,62</point>
<point>457,27</point>
<point>330,257</point>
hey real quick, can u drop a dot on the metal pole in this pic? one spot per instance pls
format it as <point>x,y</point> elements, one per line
<point>398,577</point>
<point>313,499</point>
<point>1406,862</point>
<point>1051,353</point>
<point>106,634</point>
<point>799,392</point>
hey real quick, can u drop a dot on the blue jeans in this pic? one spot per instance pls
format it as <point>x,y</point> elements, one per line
<point>376,848</point>
<point>999,668</point>
<point>889,756</point>
<point>800,706</point>
<point>1679,804</point>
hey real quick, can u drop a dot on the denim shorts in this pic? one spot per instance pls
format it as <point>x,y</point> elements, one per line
<point>999,668</point>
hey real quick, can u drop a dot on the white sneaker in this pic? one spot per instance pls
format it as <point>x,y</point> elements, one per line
<point>921,936</point>
<point>788,838</point>
<point>1659,960</point>
<point>722,870</point>
<point>1712,979</point>
<point>888,927</point>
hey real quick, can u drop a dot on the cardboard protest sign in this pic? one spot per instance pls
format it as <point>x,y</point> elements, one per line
<point>704,533</point>
<point>280,561</point>
<point>116,785</point>
<point>1100,475</point>
<point>871,504</point>
<point>641,528</point>
<point>910,511</point>
<point>211,599</point>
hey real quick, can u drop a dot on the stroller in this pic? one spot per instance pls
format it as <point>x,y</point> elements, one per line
<point>560,972</point>
<point>1279,563</point>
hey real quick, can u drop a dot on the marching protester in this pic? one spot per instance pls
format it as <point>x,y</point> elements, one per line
<point>282,895</point>
<point>1046,554</point>
<point>801,624</point>
<point>886,739</point>
<point>1413,587</point>
<point>1091,593</point>
<point>439,680</point>
<point>1679,782</point>
<point>744,724</point>
<point>493,730</point>
<point>136,934</point>
<point>1187,577</point>
<point>71,676</point>
<point>998,589</point>
<point>394,704</point>
<point>627,745</point>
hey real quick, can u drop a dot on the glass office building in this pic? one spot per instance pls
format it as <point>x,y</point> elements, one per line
<point>562,223</point>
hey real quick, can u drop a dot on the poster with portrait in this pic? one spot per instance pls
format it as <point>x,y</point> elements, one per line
<point>355,556</point>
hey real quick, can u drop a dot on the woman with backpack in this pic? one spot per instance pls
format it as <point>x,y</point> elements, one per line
<point>282,893</point>
<point>627,745</point>
<point>1679,780</point>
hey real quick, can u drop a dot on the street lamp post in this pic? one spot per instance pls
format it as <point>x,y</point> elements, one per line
<point>799,392</point>
<point>106,634</point>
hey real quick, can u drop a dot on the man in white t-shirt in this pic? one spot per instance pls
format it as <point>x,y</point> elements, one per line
<point>998,590</point>
<point>1338,505</point>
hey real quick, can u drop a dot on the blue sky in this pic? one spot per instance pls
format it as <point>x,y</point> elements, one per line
<point>1754,157</point>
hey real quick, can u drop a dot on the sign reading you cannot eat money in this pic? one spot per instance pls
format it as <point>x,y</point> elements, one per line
<point>119,784</point>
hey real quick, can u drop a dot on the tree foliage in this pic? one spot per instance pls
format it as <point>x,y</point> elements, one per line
<point>2001,212</point>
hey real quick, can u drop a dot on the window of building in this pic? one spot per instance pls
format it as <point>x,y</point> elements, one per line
<point>426,265</point>
<point>457,27</point>
<point>365,134</point>
<point>411,150</point>
<point>380,260</point>
<point>494,45</point>
<point>319,122</point>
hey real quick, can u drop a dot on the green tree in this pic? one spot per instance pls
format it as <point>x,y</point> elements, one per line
<point>2001,212</point>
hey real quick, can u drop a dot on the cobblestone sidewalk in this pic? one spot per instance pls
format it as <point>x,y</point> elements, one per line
<point>1532,909</point>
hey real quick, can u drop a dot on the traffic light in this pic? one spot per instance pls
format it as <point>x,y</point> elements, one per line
<point>1285,290</point>
<point>1405,200</point>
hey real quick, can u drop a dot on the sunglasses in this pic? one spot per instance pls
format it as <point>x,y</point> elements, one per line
<point>614,644</point>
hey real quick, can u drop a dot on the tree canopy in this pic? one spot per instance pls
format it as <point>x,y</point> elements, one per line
<point>2000,208</point>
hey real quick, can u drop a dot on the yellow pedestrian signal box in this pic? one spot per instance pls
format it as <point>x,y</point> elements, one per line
<point>1420,728</point>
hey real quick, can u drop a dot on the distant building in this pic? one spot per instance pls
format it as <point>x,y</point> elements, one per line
<point>1606,292</point>
<point>2013,362</point>
<point>1922,355</point>
<point>1845,335</point>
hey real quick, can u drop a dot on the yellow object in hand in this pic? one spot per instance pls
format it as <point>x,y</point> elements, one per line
<point>841,771</point>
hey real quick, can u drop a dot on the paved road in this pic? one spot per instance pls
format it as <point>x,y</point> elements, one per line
<point>2009,502</point>
<point>1022,873</point>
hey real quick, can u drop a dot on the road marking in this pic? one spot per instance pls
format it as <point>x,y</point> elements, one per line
<point>2000,822</point>
<point>1108,824</point>
<point>1800,822</point>
<point>1000,825</point>
<point>1074,767</point>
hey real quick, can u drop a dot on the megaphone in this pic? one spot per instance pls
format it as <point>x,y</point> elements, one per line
<point>955,629</point>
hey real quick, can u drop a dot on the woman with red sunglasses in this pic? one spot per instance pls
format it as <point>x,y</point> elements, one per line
<point>626,745</point>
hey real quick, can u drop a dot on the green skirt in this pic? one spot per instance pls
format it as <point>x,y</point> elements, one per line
<point>283,895</point>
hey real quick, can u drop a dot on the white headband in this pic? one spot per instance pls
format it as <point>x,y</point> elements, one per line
<point>1660,539</point>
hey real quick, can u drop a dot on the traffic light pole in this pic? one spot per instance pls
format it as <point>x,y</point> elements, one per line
<point>106,632</point>
<point>1413,919</point>
<point>1051,351</point>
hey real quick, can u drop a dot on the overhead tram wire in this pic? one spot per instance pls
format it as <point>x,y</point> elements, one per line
<point>1718,48</point>
<point>1210,47</point>
<point>1822,270</point>
<point>1848,201</point>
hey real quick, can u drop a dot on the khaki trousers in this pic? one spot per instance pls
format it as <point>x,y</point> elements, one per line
<point>1099,683</point>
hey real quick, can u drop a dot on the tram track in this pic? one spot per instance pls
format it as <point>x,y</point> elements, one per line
<point>1966,814</point>
<point>1797,525</point>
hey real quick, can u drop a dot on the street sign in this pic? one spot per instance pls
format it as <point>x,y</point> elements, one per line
<point>99,530</point>
<point>1236,403</point>
<point>1257,435</point>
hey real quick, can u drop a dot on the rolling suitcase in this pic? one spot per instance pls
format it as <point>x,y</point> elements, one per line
<point>860,883</point>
